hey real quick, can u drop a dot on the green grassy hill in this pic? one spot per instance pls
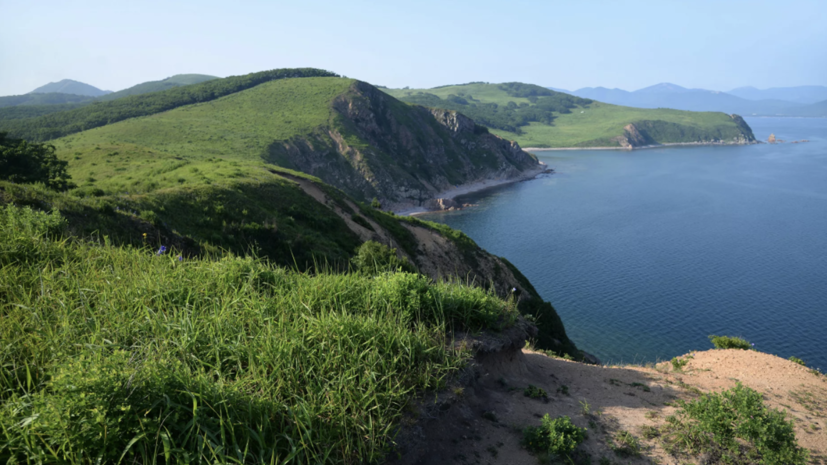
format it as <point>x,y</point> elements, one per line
<point>154,86</point>
<point>192,301</point>
<point>343,131</point>
<point>537,117</point>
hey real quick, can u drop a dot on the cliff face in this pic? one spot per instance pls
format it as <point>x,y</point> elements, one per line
<point>377,146</point>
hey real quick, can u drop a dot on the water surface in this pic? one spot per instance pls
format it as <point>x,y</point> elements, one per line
<point>646,253</point>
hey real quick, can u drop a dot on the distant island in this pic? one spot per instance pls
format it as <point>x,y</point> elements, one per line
<point>538,117</point>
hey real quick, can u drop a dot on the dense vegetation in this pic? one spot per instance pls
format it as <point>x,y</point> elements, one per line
<point>102,113</point>
<point>538,117</point>
<point>34,111</point>
<point>156,86</point>
<point>542,105</point>
<point>140,354</point>
<point>23,162</point>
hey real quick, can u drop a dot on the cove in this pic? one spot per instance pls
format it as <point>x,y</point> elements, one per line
<point>646,253</point>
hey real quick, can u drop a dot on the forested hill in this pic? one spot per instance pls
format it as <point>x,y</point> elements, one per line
<point>155,86</point>
<point>99,114</point>
<point>535,116</point>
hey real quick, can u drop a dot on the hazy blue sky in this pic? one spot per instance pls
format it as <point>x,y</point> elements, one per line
<point>708,44</point>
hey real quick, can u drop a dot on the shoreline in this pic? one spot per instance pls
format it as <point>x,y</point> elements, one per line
<point>655,146</point>
<point>469,188</point>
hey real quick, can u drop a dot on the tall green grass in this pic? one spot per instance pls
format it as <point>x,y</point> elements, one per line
<point>112,354</point>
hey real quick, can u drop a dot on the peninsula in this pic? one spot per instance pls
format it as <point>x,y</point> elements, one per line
<point>540,118</point>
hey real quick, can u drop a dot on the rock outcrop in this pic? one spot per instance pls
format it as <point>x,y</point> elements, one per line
<point>404,155</point>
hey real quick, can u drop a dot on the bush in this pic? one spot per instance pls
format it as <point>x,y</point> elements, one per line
<point>798,361</point>
<point>374,258</point>
<point>733,427</point>
<point>557,437</point>
<point>730,342</point>
<point>23,162</point>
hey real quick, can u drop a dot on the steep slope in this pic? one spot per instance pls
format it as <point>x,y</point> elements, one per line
<point>69,86</point>
<point>295,221</point>
<point>155,86</point>
<point>346,132</point>
<point>538,117</point>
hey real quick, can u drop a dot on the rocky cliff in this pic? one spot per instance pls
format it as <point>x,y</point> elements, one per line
<point>404,155</point>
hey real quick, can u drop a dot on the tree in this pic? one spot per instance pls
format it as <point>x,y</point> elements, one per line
<point>24,162</point>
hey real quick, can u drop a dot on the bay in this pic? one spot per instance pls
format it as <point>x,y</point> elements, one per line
<point>646,253</point>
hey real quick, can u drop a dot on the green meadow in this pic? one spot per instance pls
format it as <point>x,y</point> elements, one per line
<point>596,124</point>
<point>202,143</point>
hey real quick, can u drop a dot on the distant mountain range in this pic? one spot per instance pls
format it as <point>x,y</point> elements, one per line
<point>746,101</point>
<point>68,86</point>
<point>68,94</point>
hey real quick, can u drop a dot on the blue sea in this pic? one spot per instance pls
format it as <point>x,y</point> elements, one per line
<point>646,253</point>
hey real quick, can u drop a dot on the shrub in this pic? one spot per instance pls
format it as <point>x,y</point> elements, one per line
<point>558,436</point>
<point>535,392</point>
<point>798,361</point>
<point>373,258</point>
<point>679,363</point>
<point>734,427</point>
<point>730,342</point>
<point>24,162</point>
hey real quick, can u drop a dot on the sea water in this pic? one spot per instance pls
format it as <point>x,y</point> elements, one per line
<point>645,253</point>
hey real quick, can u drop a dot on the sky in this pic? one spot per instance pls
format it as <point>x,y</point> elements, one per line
<point>717,45</point>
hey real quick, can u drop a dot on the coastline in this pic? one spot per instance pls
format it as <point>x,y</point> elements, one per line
<point>469,188</point>
<point>654,146</point>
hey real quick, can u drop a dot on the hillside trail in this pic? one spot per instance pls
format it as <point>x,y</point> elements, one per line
<point>482,422</point>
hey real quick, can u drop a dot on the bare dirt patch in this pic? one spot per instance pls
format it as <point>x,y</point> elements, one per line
<point>481,420</point>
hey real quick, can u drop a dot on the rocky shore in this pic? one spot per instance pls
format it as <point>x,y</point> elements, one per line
<point>446,199</point>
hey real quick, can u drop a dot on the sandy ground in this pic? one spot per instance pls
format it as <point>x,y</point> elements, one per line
<point>473,187</point>
<point>481,423</point>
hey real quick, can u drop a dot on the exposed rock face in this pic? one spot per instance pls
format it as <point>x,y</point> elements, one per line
<point>377,146</point>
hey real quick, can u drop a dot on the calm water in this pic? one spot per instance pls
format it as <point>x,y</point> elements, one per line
<point>645,253</point>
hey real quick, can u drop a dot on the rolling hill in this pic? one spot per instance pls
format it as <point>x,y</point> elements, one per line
<point>535,116</point>
<point>68,86</point>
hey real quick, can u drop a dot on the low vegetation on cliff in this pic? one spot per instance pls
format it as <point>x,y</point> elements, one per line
<point>538,117</point>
